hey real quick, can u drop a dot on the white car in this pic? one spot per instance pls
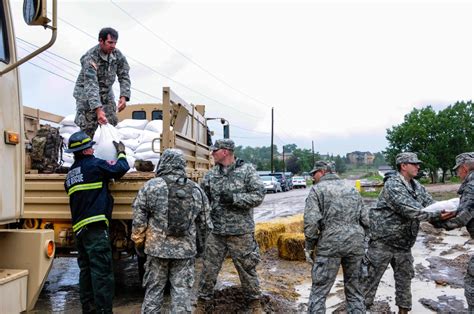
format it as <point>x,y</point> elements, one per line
<point>298,182</point>
<point>271,184</point>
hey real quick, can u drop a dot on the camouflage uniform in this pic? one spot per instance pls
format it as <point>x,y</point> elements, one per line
<point>233,224</point>
<point>94,87</point>
<point>168,257</point>
<point>334,223</point>
<point>464,217</point>
<point>394,225</point>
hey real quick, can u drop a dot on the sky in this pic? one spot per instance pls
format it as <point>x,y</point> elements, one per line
<point>336,73</point>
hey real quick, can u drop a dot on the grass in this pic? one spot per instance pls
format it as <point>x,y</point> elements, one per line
<point>442,196</point>
<point>370,194</point>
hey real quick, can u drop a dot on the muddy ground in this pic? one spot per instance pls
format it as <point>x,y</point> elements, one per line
<point>440,263</point>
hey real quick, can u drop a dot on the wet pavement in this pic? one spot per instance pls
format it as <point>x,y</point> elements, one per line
<point>440,259</point>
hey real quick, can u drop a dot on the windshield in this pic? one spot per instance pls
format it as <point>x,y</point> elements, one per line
<point>266,178</point>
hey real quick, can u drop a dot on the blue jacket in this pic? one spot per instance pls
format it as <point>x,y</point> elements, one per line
<point>87,186</point>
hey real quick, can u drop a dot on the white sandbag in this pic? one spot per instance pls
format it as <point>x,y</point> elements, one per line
<point>131,143</point>
<point>148,136</point>
<point>155,126</point>
<point>71,129</point>
<point>146,155</point>
<point>143,147</point>
<point>450,205</point>
<point>104,136</point>
<point>67,164</point>
<point>130,133</point>
<point>68,157</point>
<point>132,123</point>
<point>129,151</point>
<point>69,120</point>
<point>66,137</point>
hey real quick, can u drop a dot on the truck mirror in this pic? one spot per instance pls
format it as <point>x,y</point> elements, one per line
<point>34,12</point>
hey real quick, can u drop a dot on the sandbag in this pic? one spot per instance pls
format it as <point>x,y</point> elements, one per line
<point>450,205</point>
<point>146,155</point>
<point>132,123</point>
<point>155,126</point>
<point>68,120</point>
<point>68,129</point>
<point>130,133</point>
<point>104,136</point>
<point>149,136</point>
<point>131,143</point>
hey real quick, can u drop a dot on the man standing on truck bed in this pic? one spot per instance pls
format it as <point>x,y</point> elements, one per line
<point>168,212</point>
<point>234,188</point>
<point>91,210</point>
<point>95,100</point>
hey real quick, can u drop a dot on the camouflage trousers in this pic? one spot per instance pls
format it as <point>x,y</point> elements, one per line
<point>244,252</point>
<point>324,274</point>
<point>96,277</point>
<point>86,119</point>
<point>376,259</point>
<point>469,285</point>
<point>179,272</point>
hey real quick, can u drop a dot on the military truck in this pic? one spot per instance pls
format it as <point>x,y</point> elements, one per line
<point>26,256</point>
<point>47,204</point>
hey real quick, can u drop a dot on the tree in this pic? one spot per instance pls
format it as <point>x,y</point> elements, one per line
<point>340,164</point>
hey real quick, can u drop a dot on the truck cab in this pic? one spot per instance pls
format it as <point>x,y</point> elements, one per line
<point>26,255</point>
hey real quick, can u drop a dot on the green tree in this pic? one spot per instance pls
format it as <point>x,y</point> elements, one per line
<point>340,164</point>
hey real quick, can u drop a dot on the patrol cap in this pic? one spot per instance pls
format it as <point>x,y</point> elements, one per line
<point>319,165</point>
<point>225,143</point>
<point>407,158</point>
<point>463,158</point>
<point>79,141</point>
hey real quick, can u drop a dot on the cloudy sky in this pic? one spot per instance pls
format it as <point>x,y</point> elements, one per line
<point>338,73</point>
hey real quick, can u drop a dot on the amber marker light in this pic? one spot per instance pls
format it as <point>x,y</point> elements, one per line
<point>12,138</point>
<point>49,248</point>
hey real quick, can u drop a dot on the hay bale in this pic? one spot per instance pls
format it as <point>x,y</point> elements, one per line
<point>267,234</point>
<point>291,246</point>
<point>292,223</point>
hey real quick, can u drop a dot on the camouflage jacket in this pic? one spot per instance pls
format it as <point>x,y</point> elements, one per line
<point>248,192</point>
<point>335,218</point>
<point>150,213</point>
<point>396,219</point>
<point>465,211</point>
<point>94,83</point>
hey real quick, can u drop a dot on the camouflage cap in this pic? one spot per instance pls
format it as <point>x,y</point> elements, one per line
<point>225,143</point>
<point>463,158</point>
<point>407,158</point>
<point>320,165</point>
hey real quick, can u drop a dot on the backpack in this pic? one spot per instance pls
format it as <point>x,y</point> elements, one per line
<point>45,149</point>
<point>180,206</point>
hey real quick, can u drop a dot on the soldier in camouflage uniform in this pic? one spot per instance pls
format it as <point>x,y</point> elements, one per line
<point>170,256</point>
<point>465,213</point>
<point>234,188</point>
<point>95,100</point>
<point>335,221</point>
<point>394,225</point>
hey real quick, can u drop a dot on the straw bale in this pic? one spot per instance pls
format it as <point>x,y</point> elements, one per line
<point>292,223</point>
<point>291,246</point>
<point>267,234</point>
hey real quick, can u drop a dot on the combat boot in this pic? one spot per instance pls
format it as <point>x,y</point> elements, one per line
<point>203,307</point>
<point>255,307</point>
<point>402,310</point>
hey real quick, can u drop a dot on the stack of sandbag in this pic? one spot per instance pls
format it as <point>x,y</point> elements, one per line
<point>67,127</point>
<point>138,136</point>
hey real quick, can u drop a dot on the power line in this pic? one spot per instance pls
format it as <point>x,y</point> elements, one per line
<point>186,57</point>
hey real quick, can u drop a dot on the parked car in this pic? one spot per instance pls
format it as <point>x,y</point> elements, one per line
<point>271,184</point>
<point>280,176</point>
<point>299,182</point>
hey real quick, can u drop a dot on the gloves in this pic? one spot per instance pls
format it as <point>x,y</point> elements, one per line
<point>120,147</point>
<point>226,198</point>
<point>309,256</point>
<point>140,249</point>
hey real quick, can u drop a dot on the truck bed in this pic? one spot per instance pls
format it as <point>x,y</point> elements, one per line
<point>46,198</point>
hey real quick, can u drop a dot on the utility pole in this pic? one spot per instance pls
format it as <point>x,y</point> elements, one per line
<point>284,163</point>
<point>312,145</point>
<point>271,148</point>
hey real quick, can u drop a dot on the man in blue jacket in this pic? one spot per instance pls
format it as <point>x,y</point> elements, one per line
<point>91,210</point>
